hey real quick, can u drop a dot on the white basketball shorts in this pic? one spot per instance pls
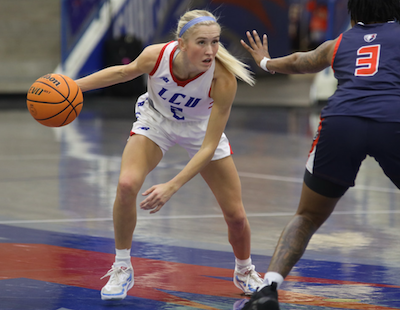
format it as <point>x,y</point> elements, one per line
<point>166,133</point>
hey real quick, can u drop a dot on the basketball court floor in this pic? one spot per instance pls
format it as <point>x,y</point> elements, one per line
<point>56,233</point>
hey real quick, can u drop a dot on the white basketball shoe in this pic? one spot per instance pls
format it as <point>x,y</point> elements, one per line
<point>247,279</point>
<point>121,280</point>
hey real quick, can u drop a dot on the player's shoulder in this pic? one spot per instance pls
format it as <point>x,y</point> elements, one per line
<point>223,77</point>
<point>154,50</point>
<point>149,56</point>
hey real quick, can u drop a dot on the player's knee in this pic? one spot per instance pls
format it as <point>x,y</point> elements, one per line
<point>128,187</point>
<point>312,220</point>
<point>237,221</point>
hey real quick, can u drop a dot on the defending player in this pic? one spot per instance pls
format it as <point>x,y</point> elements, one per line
<point>362,118</point>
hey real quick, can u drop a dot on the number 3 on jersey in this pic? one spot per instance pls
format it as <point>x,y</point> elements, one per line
<point>368,60</point>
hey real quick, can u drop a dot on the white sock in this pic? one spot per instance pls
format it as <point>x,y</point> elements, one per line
<point>242,263</point>
<point>123,256</point>
<point>270,277</point>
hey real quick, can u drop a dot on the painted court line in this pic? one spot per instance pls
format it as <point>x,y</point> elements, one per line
<point>179,217</point>
<point>241,174</point>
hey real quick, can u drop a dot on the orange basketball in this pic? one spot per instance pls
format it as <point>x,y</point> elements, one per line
<point>54,100</point>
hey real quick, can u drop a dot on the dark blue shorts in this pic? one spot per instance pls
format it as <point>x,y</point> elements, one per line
<point>343,142</point>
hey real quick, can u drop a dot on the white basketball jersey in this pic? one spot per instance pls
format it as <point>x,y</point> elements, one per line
<point>179,100</point>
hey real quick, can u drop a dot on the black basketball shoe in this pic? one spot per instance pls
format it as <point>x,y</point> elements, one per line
<point>264,299</point>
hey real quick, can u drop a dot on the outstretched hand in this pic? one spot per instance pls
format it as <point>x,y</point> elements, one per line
<point>158,195</point>
<point>257,49</point>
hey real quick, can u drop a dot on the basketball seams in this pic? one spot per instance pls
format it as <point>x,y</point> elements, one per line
<point>73,106</point>
<point>45,102</point>
<point>50,88</point>
<point>54,115</point>
<point>76,95</point>
<point>73,109</point>
<point>69,89</point>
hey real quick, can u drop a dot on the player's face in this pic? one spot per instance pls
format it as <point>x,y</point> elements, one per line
<point>202,46</point>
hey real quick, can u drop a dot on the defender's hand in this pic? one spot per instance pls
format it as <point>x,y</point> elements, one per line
<point>257,49</point>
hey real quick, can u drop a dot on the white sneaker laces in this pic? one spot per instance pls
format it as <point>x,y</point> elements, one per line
<point>252,275</point>
<point>116,274</point>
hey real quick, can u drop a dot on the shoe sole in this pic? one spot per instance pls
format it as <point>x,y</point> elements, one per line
<point>269,304</point>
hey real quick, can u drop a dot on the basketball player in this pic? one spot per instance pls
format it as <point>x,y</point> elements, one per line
<point>191,87</point>
<point>362,118</point>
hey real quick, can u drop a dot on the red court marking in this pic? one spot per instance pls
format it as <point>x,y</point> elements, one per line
<point>340,282</point>
<point>311,300</point>
<point>83,268</point>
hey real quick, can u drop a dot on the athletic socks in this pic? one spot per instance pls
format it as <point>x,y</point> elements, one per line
<point>241,264</point>
<point>270,277</point>
<point>123,256</point>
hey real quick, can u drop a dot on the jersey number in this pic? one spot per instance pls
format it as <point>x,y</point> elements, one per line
<point>175,111</point>
<point>369,60</point>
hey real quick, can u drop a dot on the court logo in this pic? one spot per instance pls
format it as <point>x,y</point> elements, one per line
<point>370,37</point>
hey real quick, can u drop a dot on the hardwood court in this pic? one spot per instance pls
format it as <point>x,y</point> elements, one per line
<point>56,233</point>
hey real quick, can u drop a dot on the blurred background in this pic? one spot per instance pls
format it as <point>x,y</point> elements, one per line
<point>78,37</point>
<point>58,185</point>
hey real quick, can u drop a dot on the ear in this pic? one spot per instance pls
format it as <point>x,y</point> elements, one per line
<point>182,44</point>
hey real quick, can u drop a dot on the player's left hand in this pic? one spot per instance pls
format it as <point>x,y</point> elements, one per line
<point>257,49</point>
<point>158,195</point>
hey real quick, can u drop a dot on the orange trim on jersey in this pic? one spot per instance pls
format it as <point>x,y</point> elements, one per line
<point>316,139</point>
<point>179,82</point>
<point>159,58</point>
<point>336,48</point>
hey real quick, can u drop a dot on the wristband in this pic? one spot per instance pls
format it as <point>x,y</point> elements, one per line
<point>263,63</point>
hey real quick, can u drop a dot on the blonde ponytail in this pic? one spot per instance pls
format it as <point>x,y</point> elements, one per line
<point>235,66</point>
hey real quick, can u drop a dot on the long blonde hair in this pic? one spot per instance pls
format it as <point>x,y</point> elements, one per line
<point>230,62</point>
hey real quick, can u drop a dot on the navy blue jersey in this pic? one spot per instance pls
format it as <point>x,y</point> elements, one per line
<point>366,63</point>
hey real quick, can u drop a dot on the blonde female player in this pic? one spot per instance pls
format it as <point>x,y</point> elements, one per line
<point>191,88</point>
